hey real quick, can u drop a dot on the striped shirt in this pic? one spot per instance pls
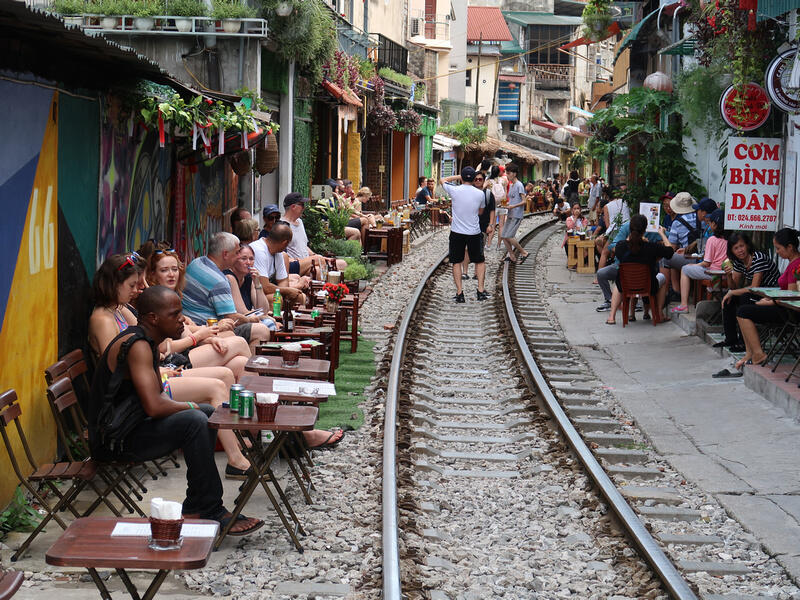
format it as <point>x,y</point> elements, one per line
<point>761,263</point>
<point>207,294</point>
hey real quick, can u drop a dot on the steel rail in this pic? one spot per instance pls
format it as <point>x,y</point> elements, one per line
<point>648,549</point>
<point>392,587</point>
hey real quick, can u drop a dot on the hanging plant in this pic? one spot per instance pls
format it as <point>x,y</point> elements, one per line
<point>596,19</point>
<point>381,119</point>
<point>408,121</point>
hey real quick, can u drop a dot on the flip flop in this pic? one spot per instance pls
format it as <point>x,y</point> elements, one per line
<point>327,444</point>
<point>726,373</point>
<point>646,317</point>
<point>524,258</point>
<point>611,322</point>
<point>223,523</point>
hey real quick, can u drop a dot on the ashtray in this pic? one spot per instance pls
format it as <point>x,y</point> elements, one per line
<point>155,544</point>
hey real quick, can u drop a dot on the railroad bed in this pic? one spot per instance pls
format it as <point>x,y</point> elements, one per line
<point>490,501</point>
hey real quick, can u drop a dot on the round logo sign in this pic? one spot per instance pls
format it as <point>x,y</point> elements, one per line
<point>776,79</point>
<point>746,111</point>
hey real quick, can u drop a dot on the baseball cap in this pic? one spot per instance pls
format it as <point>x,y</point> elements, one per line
<point>682,203</point>
<point>706,205</point>
<point>270,209</point>
<point>718,217</point>
<point>467,174</point>
<point>294,198</point>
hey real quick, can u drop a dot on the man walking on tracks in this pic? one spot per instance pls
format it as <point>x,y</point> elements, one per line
<point>468,204</point>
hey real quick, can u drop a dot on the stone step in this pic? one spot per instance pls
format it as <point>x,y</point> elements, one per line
<point>669,513</point>
<point>660,494</point>
<point>688,539</point>
<point>622,455</point>
<point>713,568</point>
<point>628,472</point>
<point>587,411</point>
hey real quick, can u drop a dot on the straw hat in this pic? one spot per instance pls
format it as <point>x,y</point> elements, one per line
<point>682,203</point>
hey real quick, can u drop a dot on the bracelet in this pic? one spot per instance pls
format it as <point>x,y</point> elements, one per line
<point>192,405</point>
<point>258,287</point>
<point>194,340</point>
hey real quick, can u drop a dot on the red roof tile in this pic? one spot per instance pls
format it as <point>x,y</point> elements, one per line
<point>489,21</point>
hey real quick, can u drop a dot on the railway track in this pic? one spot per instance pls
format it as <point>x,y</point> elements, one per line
<point>483,496</point>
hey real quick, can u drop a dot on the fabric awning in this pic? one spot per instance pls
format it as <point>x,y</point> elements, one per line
<point>511,47</point>
<point>540,18</point>
<point>580,112</point>
<point>510,77</point>
<point>612,30</point>
<point>544,156</point>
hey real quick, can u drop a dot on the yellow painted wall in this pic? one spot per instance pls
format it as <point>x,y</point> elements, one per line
<point>353,156</point>
<point>29,335</point>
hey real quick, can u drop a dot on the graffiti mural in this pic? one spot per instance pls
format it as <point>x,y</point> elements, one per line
<point>208,193</point>
<point>29,272</point>
<point>135,184</point>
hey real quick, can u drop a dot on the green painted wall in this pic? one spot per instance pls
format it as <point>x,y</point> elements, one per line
<point>78,172</point>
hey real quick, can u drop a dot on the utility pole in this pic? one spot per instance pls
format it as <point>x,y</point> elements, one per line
<point>478,73</point>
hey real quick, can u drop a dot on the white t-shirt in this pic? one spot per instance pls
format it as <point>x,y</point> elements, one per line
<point>268,264</point>
<point>467,201</point>
<point>298,247</point>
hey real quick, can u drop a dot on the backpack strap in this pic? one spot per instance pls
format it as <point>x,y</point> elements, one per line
<point>134,334</point>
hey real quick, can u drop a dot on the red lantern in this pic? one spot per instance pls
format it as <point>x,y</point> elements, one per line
<point>659,82</point>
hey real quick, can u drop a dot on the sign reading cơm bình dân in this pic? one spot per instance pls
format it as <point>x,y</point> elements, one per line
<point>753,183</point>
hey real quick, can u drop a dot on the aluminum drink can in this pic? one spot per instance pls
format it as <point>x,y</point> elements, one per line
<point>247,404</point>
<point>314,313</point>
<point>235,396</point>
<point>212,322</point>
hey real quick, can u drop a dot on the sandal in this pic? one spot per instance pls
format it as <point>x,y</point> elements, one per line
<point>680,309</point>
<point>524,258</point>
<point>632,319</point>
<point>726,373</point>
<point>646,317</point>
<point>249,524</point>
<point>328,444</point>
<point>611,322</point>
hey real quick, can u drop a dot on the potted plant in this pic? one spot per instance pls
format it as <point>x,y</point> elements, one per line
<point>355,276</point>
<point>70,10</point>
<point>230,12</point>
<point>143,12</point>
<point>596,19</point>
<point>186,8</point>
<point>112,10</point>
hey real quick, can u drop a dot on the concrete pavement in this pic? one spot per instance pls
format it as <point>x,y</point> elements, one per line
<point>722,436</point>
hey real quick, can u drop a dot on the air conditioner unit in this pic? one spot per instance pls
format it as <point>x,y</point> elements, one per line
<point>417,26</point>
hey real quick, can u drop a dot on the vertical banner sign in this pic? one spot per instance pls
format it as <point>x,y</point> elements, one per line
<point>753,183</point>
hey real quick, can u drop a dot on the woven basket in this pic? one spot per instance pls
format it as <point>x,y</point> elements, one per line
<point>240,163</point>
<point>266,412</point>
<point>267,155</point>
<point>165,531</point>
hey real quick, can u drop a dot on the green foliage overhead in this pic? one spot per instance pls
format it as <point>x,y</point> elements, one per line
<point>231,9</point>
<point>187,8</point>
<point>395,77</point>
<point>633,123</point>
<point>466,132</point>
<point>307,36</point>
<point>699,90</point>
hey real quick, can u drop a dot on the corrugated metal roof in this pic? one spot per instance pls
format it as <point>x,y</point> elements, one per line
<point>775,8</point>
<point>39,42</point>
<point>487,22</point>
<point>540,18</point>
<point>511,47</point>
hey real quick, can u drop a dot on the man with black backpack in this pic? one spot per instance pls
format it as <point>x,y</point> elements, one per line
<point>133,418</point>
<point>684,235</point>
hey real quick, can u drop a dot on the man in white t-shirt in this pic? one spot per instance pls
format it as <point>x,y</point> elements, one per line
<point>594,198</point>
<point>299,257</point>
<point>468,203</point>
<point>271,267</point>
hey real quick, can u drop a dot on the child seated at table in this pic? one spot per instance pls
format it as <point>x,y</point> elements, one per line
<point>716,250</point>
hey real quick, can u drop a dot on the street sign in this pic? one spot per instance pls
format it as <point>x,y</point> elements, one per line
<point>753,183</point>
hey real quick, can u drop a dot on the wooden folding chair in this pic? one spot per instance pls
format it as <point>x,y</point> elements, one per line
<point>64,404</point>
<point>80,474</point>
<point>635,280</point>
<point>10,582</point>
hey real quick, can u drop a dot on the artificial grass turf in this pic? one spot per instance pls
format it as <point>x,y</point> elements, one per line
<point>353,375</point>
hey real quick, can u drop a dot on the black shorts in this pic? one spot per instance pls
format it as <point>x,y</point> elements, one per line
<point>294,267</point>
<point>460,242</point>
<point>355,223</point>
<point>243,331</point>
<point>761,314</point>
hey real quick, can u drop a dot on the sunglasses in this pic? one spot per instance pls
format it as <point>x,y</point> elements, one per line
<point>130,260</point>
<point>479,179</point>
<point>172,250</point>
<point>273,217</point>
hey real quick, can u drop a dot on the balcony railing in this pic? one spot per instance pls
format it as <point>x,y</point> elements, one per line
<point>551,75</point>
<point>392,55</point>
<point>428,26</point>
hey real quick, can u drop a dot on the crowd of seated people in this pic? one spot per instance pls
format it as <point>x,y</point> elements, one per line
<point>177,336</point>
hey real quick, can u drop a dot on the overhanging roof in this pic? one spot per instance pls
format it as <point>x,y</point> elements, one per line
<point>511,47</point>
<point>774,8</point>
<point>39,42</point>
<point>540,18</point>
<point>486,23</point>
<point>636,30</point>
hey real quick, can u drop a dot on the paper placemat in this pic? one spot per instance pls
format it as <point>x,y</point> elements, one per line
<point>201,530</point>
<point>312,388</point>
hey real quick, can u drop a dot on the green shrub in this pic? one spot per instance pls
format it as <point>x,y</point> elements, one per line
<point>395,77</point>
<point>231,9</point>
<point>340,247</point>
<point>354,272</point>
<point>19,515</point>
<point>466,132</point>
<point>337,218</point>
<point>70,7</point>
<point>315,230</point>
<point>187,8</point>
